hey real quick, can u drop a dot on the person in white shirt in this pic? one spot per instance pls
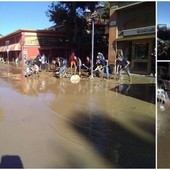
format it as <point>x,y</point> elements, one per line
<point>43,61</point>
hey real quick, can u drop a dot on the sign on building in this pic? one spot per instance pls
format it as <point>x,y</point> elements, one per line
<point>139,31</point>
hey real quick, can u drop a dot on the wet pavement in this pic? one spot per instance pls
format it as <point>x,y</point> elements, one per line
<point>97,123</point>
<point>163,135</point>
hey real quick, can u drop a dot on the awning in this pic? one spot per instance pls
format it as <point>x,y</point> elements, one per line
<point>12,47</point>
<point>2,48</point>
<point>129,38</point>
<point>15,47</point>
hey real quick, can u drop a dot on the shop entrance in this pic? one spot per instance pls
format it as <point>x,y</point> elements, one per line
<point>141,59</point>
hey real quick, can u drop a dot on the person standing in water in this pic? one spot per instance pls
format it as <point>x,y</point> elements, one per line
<point>73,64</point>
<point>122,65</point>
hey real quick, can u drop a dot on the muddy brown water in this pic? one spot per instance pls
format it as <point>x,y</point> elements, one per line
<point>52,123</point>
<point>163,135</point>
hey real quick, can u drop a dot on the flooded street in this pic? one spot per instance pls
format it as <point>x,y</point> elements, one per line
<point>52,123</point>
<point>163,135</point>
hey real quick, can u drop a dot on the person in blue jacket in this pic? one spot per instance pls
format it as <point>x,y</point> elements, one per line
<point>102,63</point>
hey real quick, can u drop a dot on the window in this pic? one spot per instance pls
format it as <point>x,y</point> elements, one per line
<point>141,51</point>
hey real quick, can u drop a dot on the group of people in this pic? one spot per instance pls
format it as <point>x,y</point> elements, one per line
<point>32,66</point>
<point>41,61</point>
<point>75,63</point>
<point>102,65</point>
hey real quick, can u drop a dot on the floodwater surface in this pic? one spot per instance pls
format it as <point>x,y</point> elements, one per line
<point>52,123</point>
<point>163,135</point>
<point>140,91</point>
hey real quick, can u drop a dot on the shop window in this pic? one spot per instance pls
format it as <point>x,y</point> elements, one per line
<point>141,51</point>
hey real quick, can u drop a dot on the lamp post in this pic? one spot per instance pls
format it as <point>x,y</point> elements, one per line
<point>88,16</point>
<point>96,14</point>
<point>22,50</point>
<point>99,9</point>
<point>7,50</point>
<point>87,13</point>
<point>22,43</point>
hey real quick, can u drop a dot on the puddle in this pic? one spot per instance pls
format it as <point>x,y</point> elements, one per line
<point>145,92</point>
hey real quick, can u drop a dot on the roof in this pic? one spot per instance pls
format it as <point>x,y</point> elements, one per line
<point>116,7</point>
<point>30,30</point>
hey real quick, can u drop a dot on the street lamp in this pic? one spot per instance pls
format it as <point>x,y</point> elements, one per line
<point>7,50</point>
<point>87,13</point>
<point>96,14</point>
<point>22,50</point>
<point>99,9</point>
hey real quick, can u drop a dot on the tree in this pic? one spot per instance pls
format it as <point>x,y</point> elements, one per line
<point>70,14</point>
<point>106,12</point>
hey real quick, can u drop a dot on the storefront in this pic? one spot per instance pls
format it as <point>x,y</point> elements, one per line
<point>137,45</point>
<point>132,30</point>
<point>27,44</point>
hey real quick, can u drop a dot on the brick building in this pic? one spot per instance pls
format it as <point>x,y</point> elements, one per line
<point>27,44</point>
<point>132,30</point>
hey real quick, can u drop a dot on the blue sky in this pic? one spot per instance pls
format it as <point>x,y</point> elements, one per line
<point>163,13</point>
<point>16,15</point>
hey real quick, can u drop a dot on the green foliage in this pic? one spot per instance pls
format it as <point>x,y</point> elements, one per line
<point>63,11</point>
<point>106,13</point>
<point>70,14</point>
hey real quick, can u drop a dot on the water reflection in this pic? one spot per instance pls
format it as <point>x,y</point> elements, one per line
<point>7,70</point>
<point>144,92</point>
<point>32,86</point>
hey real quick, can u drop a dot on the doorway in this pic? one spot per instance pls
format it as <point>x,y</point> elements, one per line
<point>141,60</point>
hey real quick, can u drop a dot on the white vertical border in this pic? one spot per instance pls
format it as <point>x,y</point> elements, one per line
<point>156,146</point>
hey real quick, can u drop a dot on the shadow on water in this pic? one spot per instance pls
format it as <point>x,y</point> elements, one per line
<point>115,143</point>
<point>144,92</point>
<point>148,126</point>
<point>11,161</point>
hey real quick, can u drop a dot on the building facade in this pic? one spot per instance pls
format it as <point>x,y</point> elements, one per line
<point>132,30</point>
<point>27,44</point>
